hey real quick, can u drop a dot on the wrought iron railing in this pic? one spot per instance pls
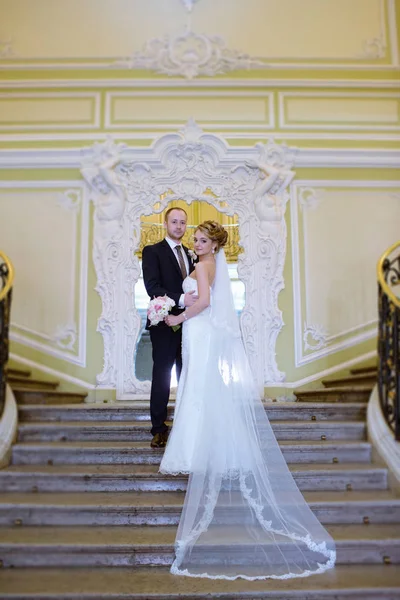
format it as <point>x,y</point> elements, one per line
<point>389,337</point>
<point>7,280</point>
<point>152,233</point>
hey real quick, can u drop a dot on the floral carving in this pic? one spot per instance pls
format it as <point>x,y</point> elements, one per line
<point>317,334</point>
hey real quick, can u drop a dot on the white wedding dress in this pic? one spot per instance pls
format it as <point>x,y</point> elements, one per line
<point>243,515</point>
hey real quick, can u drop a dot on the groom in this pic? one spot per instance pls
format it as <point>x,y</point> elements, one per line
<point>165,266</point>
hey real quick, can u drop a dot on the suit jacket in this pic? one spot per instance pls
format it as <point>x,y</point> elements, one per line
<point>162,274</point>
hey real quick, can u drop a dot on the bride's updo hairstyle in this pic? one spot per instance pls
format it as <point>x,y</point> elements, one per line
<point>215,232</point>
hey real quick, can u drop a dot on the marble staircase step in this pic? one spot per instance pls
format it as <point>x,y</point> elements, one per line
<point>154,546</point>
<point>18,372</point>
<point>352,380</point>
<point>138,453</point>
<point>140,411</point>
<point>164,508</point>
<point>140,431</point>
<point>24,395</point>
<point>31,383</point>
<point>131,478</point>
<point>369,369</point>
<point>345,582</point>
<point>335,394</point>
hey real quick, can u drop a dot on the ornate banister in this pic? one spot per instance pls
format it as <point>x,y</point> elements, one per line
<point>389,336</point>
<point>7,280</point>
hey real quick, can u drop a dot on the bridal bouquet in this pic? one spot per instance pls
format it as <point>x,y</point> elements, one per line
<point>159,308</point>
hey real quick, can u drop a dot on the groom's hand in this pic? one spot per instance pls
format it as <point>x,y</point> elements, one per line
<point>190,299</point>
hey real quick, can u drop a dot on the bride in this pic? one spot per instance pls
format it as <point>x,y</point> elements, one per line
<point>243,515</point>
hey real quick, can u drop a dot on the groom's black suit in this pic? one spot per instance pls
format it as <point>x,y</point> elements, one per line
<point>162,275</point>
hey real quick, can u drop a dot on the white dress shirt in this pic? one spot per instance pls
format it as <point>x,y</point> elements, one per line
<point>172,244</point>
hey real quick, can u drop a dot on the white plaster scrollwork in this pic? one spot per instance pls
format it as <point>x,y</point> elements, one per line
<point>374,48</point>
<point>318,336</point>
<point>189,164</point>
<point>65,336</point>
<point>70,200</point>
<point>310,198</point>
<point>189,55</point>
<point>6,49</point>
<point>270,196</point>
<point>109,201</point>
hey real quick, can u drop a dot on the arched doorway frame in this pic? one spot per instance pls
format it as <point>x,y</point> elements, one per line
<point>127,183</point>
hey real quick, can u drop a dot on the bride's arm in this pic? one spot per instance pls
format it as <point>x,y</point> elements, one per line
<point>201,303</point>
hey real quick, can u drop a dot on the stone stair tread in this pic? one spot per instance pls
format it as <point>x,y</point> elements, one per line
<point>144,425</point>
<point>334,390</point>
<point>21,379</point>
<point>369,369</point>
<point>350,378</point>
<point>139,445</point>
<point>297,411</point>
<point>136,404</point>
<point>18,372</point>
<point>151,583</point>
<point>118,469</point>
<point>133,499</point>
<point>157,536</point>
<point>49,392</point>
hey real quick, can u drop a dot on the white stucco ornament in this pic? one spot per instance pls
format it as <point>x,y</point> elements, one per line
<point>189,164</point>
<point>189,54</point>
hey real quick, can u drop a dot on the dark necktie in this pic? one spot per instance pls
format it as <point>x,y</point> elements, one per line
<point>181,261</point>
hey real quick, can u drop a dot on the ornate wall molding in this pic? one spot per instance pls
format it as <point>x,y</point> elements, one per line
<point>6,48</point>
<point>312,342</point>
<point>71,158</point>
<point>310,198</point>
<point>187,163</point>
<point>318,337</point>
<point>189,54</point>
<point>206,82</point>
<point>327,122</point>
<point>376,49</point>
<point>68,341</point>
<point>48,110</point>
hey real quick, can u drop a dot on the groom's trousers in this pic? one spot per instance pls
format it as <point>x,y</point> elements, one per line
<point>167,350</point>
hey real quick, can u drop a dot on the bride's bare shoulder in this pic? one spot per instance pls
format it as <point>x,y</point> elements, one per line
<point>206,269</point>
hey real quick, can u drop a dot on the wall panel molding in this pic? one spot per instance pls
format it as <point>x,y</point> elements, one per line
<point>69,340</point>
<point>165,109</point>
<point>71,158</point>
<point>344,102</point>
<point>203,83</point>
<point>277,41</point>
<point>49,110</point>
<point>306,333</point>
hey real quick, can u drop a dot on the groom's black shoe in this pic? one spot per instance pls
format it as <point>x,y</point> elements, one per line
<point>158,441</point>
<point>165,435</point>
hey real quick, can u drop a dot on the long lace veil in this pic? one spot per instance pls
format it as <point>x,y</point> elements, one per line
<point>243,515</point>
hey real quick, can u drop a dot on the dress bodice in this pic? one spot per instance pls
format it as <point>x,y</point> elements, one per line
<point>189,284</point>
